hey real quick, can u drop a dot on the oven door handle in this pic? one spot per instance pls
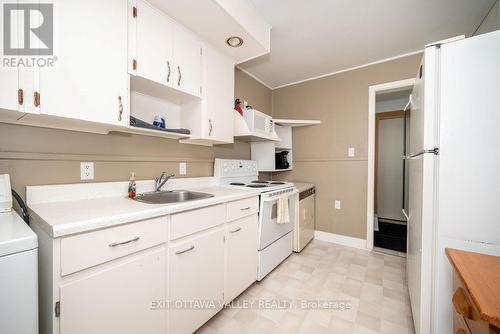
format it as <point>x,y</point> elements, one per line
<point>272,199</point>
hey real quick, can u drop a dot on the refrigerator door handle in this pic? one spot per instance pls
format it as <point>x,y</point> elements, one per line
<point>405,214</point>
<point>434,151</point>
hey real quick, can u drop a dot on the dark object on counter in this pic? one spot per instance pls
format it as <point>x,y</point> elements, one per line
<point>391,236</point>
<point>141,124</point>
<point>281,160</point>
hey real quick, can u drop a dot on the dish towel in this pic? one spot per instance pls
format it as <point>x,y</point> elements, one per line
<point>283,214</point>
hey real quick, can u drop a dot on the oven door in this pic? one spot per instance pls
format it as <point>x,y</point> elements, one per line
<point>269,229</point>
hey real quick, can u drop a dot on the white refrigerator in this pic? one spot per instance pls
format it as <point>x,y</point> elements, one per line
<point>453,159</point>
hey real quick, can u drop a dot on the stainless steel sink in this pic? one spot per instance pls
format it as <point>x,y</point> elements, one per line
<point>174,196</point>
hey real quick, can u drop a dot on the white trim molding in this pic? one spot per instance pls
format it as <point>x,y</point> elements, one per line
<point>345,70</point>
<point>372,93</point>
<point>340,239</point>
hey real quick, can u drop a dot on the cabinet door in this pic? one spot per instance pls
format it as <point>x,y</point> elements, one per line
<point>196,274</point>
<point>89,79</point>
<point>118,299</point>
<point>9,86</point>
<point>154,45</point>
<point>241,256</point>
<point>218,95</point>
<point>187,57</point>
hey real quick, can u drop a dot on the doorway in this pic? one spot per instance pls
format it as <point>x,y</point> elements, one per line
<point>390,227</point>
<point>391,97</point>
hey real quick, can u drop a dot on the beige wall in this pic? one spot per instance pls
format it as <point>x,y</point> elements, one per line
<point>256,94</point>
<point>35,156</point>
<point>320,152</point>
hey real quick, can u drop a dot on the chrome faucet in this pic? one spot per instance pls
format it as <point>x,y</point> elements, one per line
<point>162,179</point>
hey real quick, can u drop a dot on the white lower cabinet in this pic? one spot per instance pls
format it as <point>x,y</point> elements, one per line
<point>196,280</point>
<point>146,277</point>
<point>117,299</point>
<point>241,256</point>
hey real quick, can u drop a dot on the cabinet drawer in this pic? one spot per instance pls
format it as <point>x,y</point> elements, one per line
<point>89,249</point>
<point>189,222</point>
<point>466,309</point>
<point>242,208</point>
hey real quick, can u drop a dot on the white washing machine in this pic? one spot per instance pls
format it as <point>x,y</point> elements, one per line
<point>18,269</point>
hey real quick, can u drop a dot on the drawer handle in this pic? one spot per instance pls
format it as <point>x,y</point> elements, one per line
<point>245,209</point>
<point>185,250</point>
<point>461,331</point>
<point>114,244</point>
<point>461,304</point>
<point>235,230</point>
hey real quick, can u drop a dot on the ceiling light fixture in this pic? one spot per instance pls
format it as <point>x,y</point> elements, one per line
<point>234,41</point>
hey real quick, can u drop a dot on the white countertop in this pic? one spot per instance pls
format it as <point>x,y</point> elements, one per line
<point>64,217</point>
<point>15,234</point>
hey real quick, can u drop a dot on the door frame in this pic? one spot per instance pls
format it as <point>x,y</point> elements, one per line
<point>372,93</point>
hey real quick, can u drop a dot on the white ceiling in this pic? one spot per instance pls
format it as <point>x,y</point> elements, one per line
<point>315,37</point>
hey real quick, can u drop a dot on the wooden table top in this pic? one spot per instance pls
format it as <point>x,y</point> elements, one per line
<point>480,274</point>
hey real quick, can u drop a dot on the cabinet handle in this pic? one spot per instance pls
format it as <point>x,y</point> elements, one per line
<point>210,128</point>
<point>20,97</point>
<point>120,108</point>
<point>180,75</point>
<point>114,244</point>
<point>169,71</point>
<point>461,304</point>
<point>185,250</point>
<point>235,230</point>
<point>460,331</point>
<point>247,208</point>
<point>36,99</point>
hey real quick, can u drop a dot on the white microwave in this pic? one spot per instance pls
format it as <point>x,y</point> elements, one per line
<point>258,122</point>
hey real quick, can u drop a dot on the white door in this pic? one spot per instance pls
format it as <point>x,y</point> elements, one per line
<point>89,79</point>
<point>18,84</point>
<point>196,280</point>
<point>421,191</point>
<point>9,90</point>
<point>187,57</point>
<point>218,96</point>
<point>154,44</point>
<point>119,299</point>
<point>241,256</point>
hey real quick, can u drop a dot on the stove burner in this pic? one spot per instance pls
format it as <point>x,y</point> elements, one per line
<point>257,181</point>
<point>237,184</point>
<point>277,182</point>
<point>256,185</point>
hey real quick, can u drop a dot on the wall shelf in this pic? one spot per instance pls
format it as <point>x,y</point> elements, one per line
<point>153,133</point>
<point>296,122</point>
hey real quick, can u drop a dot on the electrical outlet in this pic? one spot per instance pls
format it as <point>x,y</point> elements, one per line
<point>86,170</point>
<point>182,168</point>
<point>351,152</point>
<point>337,204</point>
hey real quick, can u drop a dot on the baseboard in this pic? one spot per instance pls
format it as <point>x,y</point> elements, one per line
<point>340,239</point>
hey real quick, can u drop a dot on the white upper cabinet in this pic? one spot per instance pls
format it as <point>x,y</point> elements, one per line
<point>187,60</point>
<point>89,80</point>
<point>154,38</point>
<point>162,51</point>
<point>213,122</point>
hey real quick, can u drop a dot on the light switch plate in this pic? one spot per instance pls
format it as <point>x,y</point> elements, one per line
<point>86,170</point>
<point>182,168</point>
<point>337,204</point>
<point>351,152</point>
